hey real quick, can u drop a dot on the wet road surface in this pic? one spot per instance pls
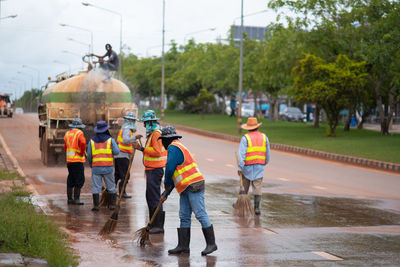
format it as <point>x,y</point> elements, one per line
<point>314,213</point>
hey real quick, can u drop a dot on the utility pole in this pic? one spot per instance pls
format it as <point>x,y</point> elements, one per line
<point>240,72</point>
<point>162,64</point>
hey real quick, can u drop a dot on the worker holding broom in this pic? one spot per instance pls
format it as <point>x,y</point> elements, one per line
<point>182,173</point>
<point>154,160</point>
<point>75,147</point>
<point>125,142</point>
<point>100,152</point>
<point>254,154</point>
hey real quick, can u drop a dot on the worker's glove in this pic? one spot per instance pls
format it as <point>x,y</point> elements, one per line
<point>240,173</point>
<point>138,136</point>
<point>137,146</point>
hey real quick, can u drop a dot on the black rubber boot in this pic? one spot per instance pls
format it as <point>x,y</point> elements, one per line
<point>158,224</point>
<point>183,242</point>
<point>96,200</point>
<point>125,195</point>
<point>69,195</point>
<point>210,240</point>
<point>113,200</point>
<point>257,199</point>
<point>77,194</point>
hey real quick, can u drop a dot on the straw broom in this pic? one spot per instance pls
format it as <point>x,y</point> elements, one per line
<point>243,205</point>
<point>110,225</point>
<point>105,198</point>
<point>142,235</point>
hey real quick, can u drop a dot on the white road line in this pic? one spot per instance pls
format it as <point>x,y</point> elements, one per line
<point>283,179</point>
<point>229,165</point>
<point>327,255</point>
<point>211,160</point>
<point>41,179</point>
<point>319,187</point>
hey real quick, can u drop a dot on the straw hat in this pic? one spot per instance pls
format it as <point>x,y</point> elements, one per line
<point>251,124</point>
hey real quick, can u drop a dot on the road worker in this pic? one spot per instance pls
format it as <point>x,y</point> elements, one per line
<point>3,105</point>
<point>125,142</point>
<point>75,147</point>
<point>254,154</point>
<point>154,160</point>
<point>183,173</point>
<point>100,152</point>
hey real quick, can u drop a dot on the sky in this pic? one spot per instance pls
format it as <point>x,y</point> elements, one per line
<point>35,38</point>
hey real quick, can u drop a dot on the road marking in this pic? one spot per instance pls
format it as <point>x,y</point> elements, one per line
<point>210,160</point>
<point>283,179</point>
<point>319,187</point>
<point>229,165</point>
<point>41,179</point>
<point>327,255</point>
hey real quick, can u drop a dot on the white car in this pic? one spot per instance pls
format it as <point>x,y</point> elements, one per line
<point>19,111</point>
<point>247,109</point>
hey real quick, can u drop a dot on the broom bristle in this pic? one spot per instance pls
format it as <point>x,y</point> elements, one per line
<point>243,206</point>
<point>105,199</point>
<point>110,225</point>
<point>142,237</point>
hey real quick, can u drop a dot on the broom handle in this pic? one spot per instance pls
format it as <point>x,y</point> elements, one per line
<point>241,175</point>
<point>157,209</point>
<point>127,175</point>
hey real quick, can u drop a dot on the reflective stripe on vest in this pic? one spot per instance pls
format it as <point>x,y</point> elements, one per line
<point>154,162</point>
<point>188,172</point>
<point>71,140</point>
<point>102,154</point>
<point>256,148</point>
<point>127,148</point>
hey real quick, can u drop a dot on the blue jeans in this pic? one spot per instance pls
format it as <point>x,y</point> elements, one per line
<point>193,202</point>
<point>97,183</point>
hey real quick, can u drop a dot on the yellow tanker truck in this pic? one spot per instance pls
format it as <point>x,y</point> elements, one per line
<point>90,96</point>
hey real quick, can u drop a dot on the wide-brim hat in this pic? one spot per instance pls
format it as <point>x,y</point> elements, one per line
<point>130,116</point>
<point>251,124</point>
<point>77,123</point>
<point>169,132</point>
<point>101,127</point>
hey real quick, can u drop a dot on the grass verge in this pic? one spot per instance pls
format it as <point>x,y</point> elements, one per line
<point>359,143</point>
<point>5,175</point>
<point>24,231</point>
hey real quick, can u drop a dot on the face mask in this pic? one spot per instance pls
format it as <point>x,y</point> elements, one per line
<point>166,142</point>
<point>151,126</point>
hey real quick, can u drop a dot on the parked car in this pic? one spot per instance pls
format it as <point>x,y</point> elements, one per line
<point>292,114</point>
<point>19,111</point>
<point>247,109</point>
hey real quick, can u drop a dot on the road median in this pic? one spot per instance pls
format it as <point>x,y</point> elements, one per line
<point>351,160</point>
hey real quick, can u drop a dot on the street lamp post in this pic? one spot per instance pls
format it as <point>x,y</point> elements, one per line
<point>240,71</point>
<point>24,83</point>
<point>30,91</point>
<point>38,72</point>
<point>69,66</point>
<point>75,54</point>
<point>163,63</point>
<point>120,31</point>
<point>82,29</point>
<point>200,31</point>
<point>79,42</point>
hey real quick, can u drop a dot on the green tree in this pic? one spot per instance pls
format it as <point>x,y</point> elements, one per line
<point>328,84</point>
<point>203,101</point>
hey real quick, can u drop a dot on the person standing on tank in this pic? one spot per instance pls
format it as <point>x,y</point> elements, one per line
<point>100,154</point>
<point>75,147</point>
<point>112,61</point>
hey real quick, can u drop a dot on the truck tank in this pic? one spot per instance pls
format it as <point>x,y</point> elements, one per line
<point>90,96</point>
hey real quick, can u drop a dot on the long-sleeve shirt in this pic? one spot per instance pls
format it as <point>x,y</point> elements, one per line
<point>100,138</point>
<point>126,139</point>
<point>156,144</point>
<point>81,145</point>
<point>251,172</point>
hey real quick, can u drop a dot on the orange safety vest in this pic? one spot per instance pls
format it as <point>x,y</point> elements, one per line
<point>256,148</point>
<point>102,154</point>
<point>154,162</point>
<point>73,150</point>
<point>188,172</point>
<point>127,148</point>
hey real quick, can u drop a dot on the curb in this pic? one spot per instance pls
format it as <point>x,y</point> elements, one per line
<point>351,160</point>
